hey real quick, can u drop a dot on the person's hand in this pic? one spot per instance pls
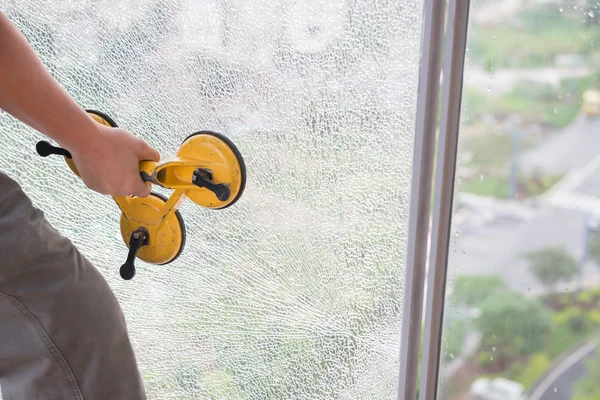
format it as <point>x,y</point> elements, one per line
<point>109,164</point>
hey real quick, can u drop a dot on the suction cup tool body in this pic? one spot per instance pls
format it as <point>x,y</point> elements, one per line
<point>166,237</point>
<point>208,169</point>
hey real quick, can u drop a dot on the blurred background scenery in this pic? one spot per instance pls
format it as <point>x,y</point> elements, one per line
<point>522,317</point>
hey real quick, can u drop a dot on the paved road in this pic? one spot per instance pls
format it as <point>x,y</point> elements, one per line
<point>496,246</point>
<point>561,382</point>
<point>587,181</point>
<point>562,388</point>
<point>504,80</point>
<point>494,235</point>
<point>573,148</point>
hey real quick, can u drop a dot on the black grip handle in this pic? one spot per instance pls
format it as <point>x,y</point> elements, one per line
<point>139,238</point>
<point>146,177</point>
<point>202,178</point>
<point>45,149</point>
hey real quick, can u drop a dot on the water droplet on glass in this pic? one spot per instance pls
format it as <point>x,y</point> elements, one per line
<point>560,9</point>
<point>481,178</point>
<point>494,336</point>
<point>591,14</point>
<point>457,233</point>
<point>494,348</point>
<point>492,358</point>
<point>464,252</point>
<point>451,356</point>
<point>555,390</point>
<point>555,111</point>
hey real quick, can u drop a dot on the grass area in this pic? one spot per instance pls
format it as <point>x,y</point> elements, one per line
<point>536,103</point>
<point>490,186</point>
<point>454,338</point>
<point>535,186</point>
<point>489,153</point>
<point>490,146</point>
<point>498,186</point>
<point>489,149</point>
<point>489,167</point>
<point>533,38</point>
<point>528,374</point>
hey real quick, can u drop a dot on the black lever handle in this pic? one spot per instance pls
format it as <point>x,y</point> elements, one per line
<point>138,238</point>
<point>203,178</point>
<point>45,149</point>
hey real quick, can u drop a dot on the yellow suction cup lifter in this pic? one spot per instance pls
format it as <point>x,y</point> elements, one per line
<point>208,169</point>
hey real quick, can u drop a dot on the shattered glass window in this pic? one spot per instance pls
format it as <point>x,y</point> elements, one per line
<point>295,291</point>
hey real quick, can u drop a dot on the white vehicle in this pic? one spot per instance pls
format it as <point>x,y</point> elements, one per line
<point>497,389</point>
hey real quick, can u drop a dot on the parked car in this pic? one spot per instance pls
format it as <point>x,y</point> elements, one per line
<point>497,389</point>
<point>591,103</point>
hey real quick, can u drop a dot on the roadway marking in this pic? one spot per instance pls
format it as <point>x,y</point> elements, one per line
<point>563,367</point>
<point>573,180</point>
<point>573,201</point>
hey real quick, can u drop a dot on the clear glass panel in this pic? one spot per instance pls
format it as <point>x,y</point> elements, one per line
<point>294,292</point>
<point>523,289</point>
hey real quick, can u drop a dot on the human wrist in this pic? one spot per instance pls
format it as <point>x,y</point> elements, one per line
<point>84,136</point>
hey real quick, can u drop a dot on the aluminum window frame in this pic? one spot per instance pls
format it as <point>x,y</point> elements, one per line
<point>418,227</point>
<point>452,89</point>
<point>421,259</point>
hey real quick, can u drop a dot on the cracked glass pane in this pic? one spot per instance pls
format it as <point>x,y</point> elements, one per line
<point>295,291</point>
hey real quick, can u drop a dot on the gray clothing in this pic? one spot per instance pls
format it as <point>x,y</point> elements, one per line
<point>63,335</point>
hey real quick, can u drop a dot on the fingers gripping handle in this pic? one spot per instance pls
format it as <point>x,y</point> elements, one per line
<point>147,169</point>
<point>45,149</point>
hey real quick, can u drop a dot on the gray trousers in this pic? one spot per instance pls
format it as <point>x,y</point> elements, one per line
<point>62,333</point>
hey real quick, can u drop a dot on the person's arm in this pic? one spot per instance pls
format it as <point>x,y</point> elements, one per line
<point>106,158</point>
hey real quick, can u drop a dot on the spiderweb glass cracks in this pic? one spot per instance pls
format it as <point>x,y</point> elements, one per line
<point>295,291</point>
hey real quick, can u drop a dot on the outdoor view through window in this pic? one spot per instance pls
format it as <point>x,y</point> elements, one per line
<point>295,291</point>
<point>523,298</point>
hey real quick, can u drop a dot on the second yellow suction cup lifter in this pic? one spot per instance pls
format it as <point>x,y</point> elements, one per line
<point>208,169</point>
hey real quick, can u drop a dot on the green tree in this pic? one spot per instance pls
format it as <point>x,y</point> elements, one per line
<point>471,290</point>
<point>552,265</point>
<point>513,324</point>
<point>588,388</point>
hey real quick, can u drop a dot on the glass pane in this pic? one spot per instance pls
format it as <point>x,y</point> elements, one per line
<point>295,291</point>
<point>523,289</point>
